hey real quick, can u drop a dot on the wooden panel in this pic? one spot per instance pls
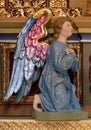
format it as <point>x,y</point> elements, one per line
<point>15,110</point>
<point>75,3</point>
<point>78,3</point>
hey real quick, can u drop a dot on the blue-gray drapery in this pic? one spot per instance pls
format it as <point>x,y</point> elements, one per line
<point>57,91</point>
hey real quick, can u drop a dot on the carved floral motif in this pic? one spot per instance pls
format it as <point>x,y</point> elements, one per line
<point>25,8</point>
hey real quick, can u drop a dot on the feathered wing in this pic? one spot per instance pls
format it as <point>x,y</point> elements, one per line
<point>30,55</point>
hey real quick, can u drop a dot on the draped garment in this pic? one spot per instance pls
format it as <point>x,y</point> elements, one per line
<point>57,91</point>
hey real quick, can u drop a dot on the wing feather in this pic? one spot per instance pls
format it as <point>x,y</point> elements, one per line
<point>20,92</point>
<point>28,69</point>
<point>11,88</point>
<point>20,76</point>
<point>16,77</point>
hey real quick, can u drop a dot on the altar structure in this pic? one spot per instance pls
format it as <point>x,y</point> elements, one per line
<point>13,15</point>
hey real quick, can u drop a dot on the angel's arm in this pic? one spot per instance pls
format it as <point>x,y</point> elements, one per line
<point>76,64</point>
<point>62,61</point>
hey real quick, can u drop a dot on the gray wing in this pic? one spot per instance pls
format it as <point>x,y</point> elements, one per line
<point>17,76</point>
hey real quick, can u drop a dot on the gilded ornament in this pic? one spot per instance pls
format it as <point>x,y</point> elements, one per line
<point>25,8</point>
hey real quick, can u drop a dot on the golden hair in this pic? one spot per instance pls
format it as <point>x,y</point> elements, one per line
<point>57,26</point>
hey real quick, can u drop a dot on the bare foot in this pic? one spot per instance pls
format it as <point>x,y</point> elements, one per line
<point>36,102</point>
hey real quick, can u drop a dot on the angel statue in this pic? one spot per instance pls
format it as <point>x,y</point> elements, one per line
<point>57,92</point>
<point>30,55</point>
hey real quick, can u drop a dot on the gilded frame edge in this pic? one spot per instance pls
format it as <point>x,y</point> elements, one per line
<point>79,84</point>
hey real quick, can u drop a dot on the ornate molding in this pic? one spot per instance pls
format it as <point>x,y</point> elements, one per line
<point>23,124</point>
<point>25,8</point>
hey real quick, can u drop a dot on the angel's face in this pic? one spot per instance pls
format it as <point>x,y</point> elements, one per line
<point>67,29</point>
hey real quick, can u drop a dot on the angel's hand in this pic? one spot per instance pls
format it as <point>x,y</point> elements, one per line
<point>69,50</point>
<point>36,103</point>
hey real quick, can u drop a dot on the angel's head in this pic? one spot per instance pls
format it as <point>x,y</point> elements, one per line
<point>58,23</point>
<point>62,26</point>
